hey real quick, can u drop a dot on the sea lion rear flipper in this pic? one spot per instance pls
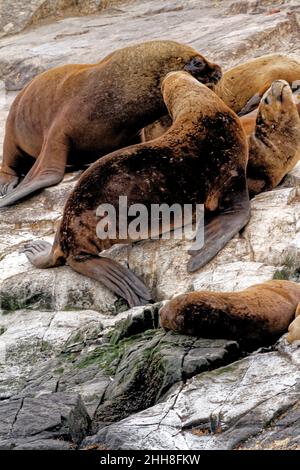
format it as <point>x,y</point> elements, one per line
<point>113,275</point>
<point>221,228</point>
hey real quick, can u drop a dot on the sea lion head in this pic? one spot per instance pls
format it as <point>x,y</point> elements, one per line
<point>190,313</point>
<point>277,104</point>
<point>193,313</point>
<point>204,71</point>
<point>171,315</point>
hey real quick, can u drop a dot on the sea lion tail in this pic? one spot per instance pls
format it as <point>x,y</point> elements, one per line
<point>113,275</point>
<point>221,228</point>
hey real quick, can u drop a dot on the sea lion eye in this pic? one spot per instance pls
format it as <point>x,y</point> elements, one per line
<point>195,65</point>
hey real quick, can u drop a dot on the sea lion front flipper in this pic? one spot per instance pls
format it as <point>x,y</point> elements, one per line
<point>113,275</point>
<point>219,229</point>
<point>7,183</point>
<point>48,170</point>
<point>250,105</point>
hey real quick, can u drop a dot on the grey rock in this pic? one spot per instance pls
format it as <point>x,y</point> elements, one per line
<point>282,433</point>
<point>199,23</point>
<point>16,15</point>
<point>47,418</point>
<point>219,410</point>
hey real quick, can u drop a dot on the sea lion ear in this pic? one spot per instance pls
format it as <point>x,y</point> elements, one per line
<point>196,65</point>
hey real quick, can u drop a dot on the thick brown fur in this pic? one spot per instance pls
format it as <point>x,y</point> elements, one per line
<point>273,132</point>
<point>255,316</point>
<point>274,146</point>
<point>159,127</point>
<point>74,114</point>
<point>201,159</point>
<point>243,86</point>
<point>294,328</point>
<point>253,78</point>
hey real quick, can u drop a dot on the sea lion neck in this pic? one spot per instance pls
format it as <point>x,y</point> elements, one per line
<point>185,90</point>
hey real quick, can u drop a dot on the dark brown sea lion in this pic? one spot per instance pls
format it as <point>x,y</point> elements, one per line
<point>255,316</point>
<point>201,159</point>
<point>77,113</point>
<point>243,86</point>
<point>273,132</point>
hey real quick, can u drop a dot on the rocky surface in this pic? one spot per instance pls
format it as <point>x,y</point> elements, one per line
<point>73,360</point>
<point>57,421</point>
<point>252,403</point>
<point>17,15</point>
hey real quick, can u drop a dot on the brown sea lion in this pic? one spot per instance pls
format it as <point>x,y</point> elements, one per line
<point>77,113</point>
<point>201,159</point>
<point>255,316</point>
<point>274,146</point>
<point>294,328</point>
<point>159,127</point>
<point>243,86</point>
<point>273,132</point>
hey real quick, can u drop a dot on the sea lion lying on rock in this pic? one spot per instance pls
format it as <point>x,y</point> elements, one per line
<point>243,86</point>
<point>274,146</point>
<point>74,114</point>
<point>255,316</point>
<point>200,160</point>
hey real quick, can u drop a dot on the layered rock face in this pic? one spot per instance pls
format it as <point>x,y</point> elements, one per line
<point>76,367</point>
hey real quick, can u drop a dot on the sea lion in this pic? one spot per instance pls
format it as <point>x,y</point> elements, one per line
<point>249,120</point>
<point>201,159</point>
<point>274,146</point>
<point>77,113</point>
<point>159,127</point>
<point>243,86</point>
<point>294,328</point>
<point>255,316</point>
<point>273,132</point>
